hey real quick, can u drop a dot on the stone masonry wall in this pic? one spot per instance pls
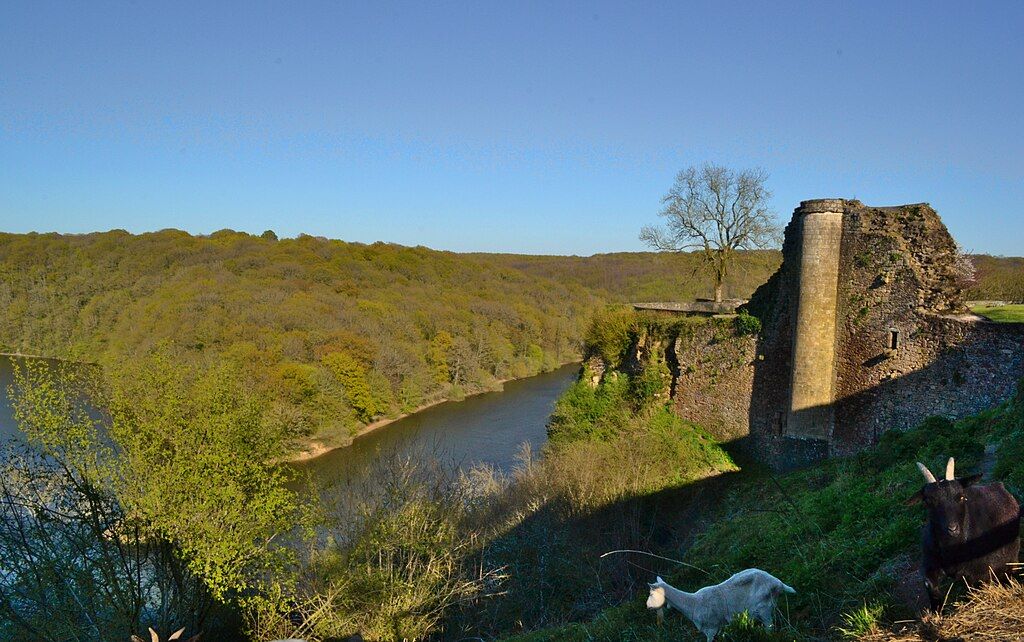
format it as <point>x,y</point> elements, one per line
<point>715,378</point>
<point>903,346</point>
<point>775,303</point>
<point>950,367</point>
<point>708,370</point>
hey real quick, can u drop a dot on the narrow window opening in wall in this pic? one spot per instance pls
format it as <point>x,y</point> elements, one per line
<point>894,339</point>
<point>780,422</point>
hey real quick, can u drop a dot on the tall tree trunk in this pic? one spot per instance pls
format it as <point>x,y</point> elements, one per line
<point>720,269</point>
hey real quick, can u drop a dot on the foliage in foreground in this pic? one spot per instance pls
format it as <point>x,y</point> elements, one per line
<point>398,550</point>
<point>150,491</point>
<point>992,612</point>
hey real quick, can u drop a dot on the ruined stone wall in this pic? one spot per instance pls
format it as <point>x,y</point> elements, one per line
<point>902,347</point>
<point>775,303</point>
<point>864,330</point>
<point>950,367</point>
<point>715,378</point>
<point>707,367</point>
<point>906,349</point>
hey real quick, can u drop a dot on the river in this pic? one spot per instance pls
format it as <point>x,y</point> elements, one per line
<point>486,428</point>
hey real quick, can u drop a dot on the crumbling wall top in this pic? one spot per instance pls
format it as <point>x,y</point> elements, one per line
<point>823,205</point>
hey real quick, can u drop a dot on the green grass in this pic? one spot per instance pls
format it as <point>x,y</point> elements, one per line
<point>1001,313</point>
<point>837,532</point>
<point>860,621</point>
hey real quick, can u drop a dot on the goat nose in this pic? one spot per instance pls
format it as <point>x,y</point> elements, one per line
<point>953,530</point>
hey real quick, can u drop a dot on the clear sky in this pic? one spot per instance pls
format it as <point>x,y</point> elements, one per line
<point>540,127</point>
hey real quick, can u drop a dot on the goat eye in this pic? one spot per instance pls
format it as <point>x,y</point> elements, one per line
<point>962,499</point>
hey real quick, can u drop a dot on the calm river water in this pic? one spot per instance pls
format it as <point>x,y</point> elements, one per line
<point>486,428</point>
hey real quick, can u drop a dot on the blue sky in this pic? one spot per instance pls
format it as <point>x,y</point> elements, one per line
<point>500,126</point>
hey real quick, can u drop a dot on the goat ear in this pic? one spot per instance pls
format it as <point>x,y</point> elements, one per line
<point>176,634</point>
<point>659,580</point>
<point>973,479</point>
<point>153,636</point>
<point>914,499</point>
<point>136,638</point>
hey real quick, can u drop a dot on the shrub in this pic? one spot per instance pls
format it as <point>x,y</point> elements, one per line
<point>398,557</point>
<point>746,324</point>
<point>588,413</point>
<point>648,384</point>
<point>610,333</point>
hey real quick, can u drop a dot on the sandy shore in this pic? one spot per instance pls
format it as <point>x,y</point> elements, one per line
<point>316,448</point>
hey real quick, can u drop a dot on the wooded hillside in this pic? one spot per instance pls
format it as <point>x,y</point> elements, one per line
<point>335,334</point>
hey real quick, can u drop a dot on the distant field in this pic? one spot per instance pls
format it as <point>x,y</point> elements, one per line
<point>1001,313</point>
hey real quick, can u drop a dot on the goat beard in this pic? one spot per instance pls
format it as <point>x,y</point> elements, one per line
<point>661,615</point>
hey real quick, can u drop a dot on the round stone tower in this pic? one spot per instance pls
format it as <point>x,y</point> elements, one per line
<point>814,336</point>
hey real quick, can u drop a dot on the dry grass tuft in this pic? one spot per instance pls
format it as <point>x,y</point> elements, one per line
<point>990,613</point>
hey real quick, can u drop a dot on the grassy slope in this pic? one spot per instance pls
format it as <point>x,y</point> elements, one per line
<point>838,532</point>
<point>1001,313</point>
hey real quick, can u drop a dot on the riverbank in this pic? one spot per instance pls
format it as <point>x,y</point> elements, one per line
<point>22,355</point>
<point>315,448</point>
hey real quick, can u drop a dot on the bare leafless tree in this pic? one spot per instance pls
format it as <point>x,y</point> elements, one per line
<point>718,211</point>
<point>964,270</point>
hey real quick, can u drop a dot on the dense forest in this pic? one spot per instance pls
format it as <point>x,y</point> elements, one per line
<point>998,278</point>
<point>335,334</point>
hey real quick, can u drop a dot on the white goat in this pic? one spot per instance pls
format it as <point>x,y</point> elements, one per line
<point>155,637</point>
<point>713,607</point>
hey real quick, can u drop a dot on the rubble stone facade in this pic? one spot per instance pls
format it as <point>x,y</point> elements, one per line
<point>866,330</point>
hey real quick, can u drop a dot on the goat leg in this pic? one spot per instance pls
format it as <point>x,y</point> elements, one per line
<point>932,577</point>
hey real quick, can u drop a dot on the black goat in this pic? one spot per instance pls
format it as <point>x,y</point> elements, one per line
<point>973,532</point>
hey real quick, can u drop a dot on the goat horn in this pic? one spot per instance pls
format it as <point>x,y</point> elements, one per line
<point>949,470</point>
<point>928,476</point>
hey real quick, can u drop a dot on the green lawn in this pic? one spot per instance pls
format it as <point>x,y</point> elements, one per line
<point>1001,313</point>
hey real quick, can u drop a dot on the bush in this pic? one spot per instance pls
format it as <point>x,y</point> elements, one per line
<point>651,382</point>
<point>398,556</point>
<point>746,324</point>
<point>181,471</point>
<point>587,413</point>
<point>610,334</point>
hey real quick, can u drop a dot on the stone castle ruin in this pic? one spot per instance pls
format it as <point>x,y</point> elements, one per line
<point>864,329</point>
